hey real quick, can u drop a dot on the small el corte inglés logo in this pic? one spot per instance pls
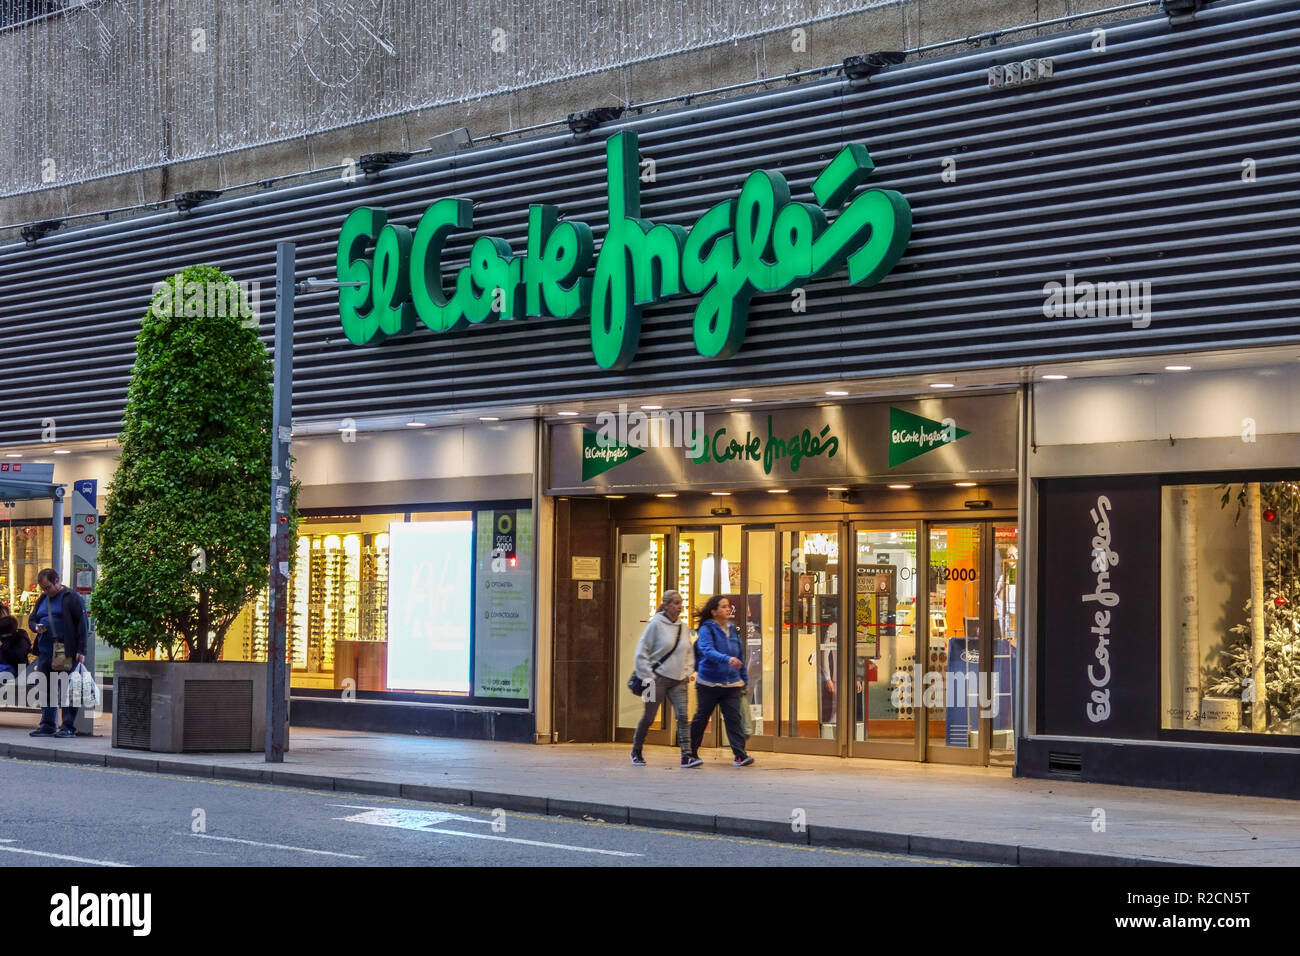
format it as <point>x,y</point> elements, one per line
<point>599,456</point>
<point>913,435</point>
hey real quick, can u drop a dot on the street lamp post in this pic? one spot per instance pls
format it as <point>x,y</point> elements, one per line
<point>277,670</point>
<point>277,667</point>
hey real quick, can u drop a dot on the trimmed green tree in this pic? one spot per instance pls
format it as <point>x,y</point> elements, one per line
<point>184,543</point>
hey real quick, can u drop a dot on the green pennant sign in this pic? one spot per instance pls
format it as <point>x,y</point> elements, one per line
<point>599,457</point>
<point>913,435</point>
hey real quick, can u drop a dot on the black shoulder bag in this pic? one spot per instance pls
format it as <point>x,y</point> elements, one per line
<point>635,684</point>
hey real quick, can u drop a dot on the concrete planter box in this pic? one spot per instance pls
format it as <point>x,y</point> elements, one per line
<point>171,707</point>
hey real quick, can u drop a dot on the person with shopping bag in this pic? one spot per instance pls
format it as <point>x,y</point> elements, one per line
<point>721,678</point>
<point>664,666</point>
<point>59,622</point>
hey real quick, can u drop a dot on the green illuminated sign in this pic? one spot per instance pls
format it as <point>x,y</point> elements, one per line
<point>912,435</point>
<point>599,456</point>
<point>760,242</point>
<point>800,445</point>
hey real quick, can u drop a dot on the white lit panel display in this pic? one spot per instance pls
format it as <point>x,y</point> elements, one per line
<point>429,605</point>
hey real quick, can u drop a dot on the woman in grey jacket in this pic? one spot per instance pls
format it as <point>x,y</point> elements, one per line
<point>665,662</point>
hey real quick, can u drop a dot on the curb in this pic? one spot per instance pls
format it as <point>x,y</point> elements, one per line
<point>780,831</point>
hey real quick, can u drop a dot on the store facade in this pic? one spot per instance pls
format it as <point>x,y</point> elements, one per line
<point>897,516</point>
<point>1168,511</point>
<point>847,258</point>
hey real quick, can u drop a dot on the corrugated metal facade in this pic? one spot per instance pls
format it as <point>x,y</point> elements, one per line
<point>1125,165</point>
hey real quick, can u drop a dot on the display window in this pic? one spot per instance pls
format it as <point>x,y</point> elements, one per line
<point>420,603</point>
<point>24,550</point>
<point>1230,603</point>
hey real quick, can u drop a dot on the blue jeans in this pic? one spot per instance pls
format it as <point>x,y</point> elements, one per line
<point>50,715</point>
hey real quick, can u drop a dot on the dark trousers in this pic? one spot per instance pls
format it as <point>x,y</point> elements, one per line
<point>728,698</point>
<point>675,692</point>
<point>50,715</point>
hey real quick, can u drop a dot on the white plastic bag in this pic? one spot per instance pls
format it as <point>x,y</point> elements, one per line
<point>82,691</point>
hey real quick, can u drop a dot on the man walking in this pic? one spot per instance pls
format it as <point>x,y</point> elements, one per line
<point>59,617</point>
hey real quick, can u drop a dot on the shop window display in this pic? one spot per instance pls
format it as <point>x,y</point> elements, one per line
<point>1230,572</point>
<point>338,603</point>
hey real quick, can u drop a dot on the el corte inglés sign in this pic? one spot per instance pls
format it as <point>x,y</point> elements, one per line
<point>761,241</point>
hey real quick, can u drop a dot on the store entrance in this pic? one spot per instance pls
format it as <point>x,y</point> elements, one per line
<point>924,669</point>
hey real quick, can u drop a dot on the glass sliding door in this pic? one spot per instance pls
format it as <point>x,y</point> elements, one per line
<point>884,641</point>
<point>758,610</point>
<point>701,570</point>
<point>643,576</point>
<point>1006,563</point>
<point>809,685</point>
<point>954,673</point>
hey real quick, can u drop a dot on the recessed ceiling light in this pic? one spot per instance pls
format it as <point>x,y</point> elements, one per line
<point>1055,378</point>
<point>488,418</point>
<point>408,425</point>
<point>567,414</point>
<point>778,491</point>
<point>651,408</point>
<point>837,488</point>
<point>941,384</point>
<point>836,391</point>
<point>62,451</point>
<point>666,494</point>
<point>900,487</point>
<point>965,484</point>
<point>720,494</point>
<point>14,455</point>
<point>1178,368</point>
<point>616,496</point>
<point>742,401</point>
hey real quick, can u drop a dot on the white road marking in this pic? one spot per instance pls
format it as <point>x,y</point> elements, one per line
<point>59,856</point>
<point>554,846</point>
<point>273,846</point>
<point>424,820</point>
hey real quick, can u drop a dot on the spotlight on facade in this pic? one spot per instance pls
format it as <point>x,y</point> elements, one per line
<point>584,122</point>
<point>33,232</point>
<point>372,163</point>
<point>863,66</point>
<point>1180,11</point>
<point>188,200</point>
<point>449,142</point>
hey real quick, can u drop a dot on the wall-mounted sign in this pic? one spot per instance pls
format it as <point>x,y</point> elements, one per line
<point>759,242</point>
<point>1100,640</point>
<point>503,605</point>
<point>586,568</point>
<point>815,445</point>
<point>912,435</point>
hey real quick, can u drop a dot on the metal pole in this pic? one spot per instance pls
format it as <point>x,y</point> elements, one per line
<point>277,683</point>
<point>56,533</point>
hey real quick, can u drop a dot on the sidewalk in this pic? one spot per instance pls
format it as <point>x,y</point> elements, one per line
<point>955,812</point>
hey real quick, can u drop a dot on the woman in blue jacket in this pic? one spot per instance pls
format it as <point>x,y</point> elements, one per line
<point>720,677</point>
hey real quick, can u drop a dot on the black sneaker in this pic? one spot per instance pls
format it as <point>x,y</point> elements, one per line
<point>744,761</point>
<point>41,732</point>
<point>65,732</point>
<point>690,760</point>
<point>637,760</point>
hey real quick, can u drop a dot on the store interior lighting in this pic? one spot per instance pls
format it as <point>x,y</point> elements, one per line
<point>706,571</point>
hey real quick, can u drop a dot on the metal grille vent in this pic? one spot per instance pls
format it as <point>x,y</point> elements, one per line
<point>1124,166</point>
<point>218,715</point>
<point>132,722</point>
<point>1064,765</point>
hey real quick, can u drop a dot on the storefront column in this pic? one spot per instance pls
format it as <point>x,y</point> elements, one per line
<point>1026,710</point>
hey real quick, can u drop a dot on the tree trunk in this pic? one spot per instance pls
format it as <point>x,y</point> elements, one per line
<point>1189,623</point>
<point>1254,514</point>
